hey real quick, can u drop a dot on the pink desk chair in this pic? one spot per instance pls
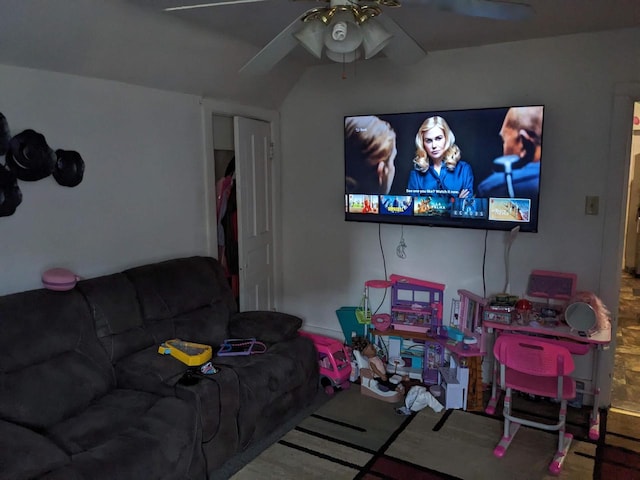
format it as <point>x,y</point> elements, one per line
<point>532,365</point>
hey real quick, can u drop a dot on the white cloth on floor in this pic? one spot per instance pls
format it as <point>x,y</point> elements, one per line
<point>419,397</point>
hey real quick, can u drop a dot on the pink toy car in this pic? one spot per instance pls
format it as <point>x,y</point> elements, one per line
<point>333,361</point>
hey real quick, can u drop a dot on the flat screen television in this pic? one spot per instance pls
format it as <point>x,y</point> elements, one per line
<point>477,168</point>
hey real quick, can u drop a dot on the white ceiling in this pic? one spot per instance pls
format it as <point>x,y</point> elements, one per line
<point>257,23</point>
<point>200,51</point>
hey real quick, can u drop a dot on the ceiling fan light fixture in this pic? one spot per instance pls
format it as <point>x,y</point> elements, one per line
<point>343,35</point>
<point>311,37</point>
<point>339,57</point>
<point>375,38</point>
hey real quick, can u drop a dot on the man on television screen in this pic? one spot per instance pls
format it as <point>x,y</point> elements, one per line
<point>370,148</point>
<point>519,175</point>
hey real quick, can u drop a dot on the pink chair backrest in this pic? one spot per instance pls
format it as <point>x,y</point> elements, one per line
<point>533,356</point>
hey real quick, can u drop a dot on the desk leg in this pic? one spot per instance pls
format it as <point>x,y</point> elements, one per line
<point>594,429</point>
<point>495,392</point>
<point>594,421</point>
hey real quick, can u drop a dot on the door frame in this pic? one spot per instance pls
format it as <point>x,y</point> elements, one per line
<point>209,108</point>
<point>613,232</point>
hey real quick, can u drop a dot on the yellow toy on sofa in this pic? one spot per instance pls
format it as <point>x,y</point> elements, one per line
<point>189,353</point>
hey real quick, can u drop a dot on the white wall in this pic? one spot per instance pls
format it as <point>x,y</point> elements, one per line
<point>327,260</point>
<point>142,197</point>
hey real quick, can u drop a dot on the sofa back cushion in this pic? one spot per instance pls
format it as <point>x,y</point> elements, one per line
<point>186,298</point>
<point>116,314</point>
<point>49,350</point>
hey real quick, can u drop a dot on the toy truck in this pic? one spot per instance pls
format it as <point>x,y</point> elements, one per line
<point>333,362</point>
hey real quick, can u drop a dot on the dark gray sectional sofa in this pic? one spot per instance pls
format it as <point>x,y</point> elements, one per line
<point>84,393</point>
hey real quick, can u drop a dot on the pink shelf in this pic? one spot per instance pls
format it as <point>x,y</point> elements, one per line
<point>409,310</point>
<point>378,283</point>
<point>457,349</point>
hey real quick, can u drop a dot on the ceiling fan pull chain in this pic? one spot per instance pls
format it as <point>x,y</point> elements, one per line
<point>344,68</point>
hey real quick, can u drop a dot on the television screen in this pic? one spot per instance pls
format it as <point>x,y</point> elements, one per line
<point>475,168</point>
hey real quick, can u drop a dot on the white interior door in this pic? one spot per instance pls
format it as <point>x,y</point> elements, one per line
<point>255,213</point>
<point>631,237</point>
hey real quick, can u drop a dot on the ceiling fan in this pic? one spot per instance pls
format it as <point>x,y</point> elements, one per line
<point>345,30</point>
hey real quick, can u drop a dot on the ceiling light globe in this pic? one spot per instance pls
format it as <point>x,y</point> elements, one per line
<point>311,37</point>
<point>347,57</point>
<point>375,36</point>
<point>339,31</point>
<point>343,34</point>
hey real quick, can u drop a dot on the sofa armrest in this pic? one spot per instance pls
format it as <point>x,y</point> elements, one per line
<point>25,454</point>
<point>149,371</point>
<point>268,327</point>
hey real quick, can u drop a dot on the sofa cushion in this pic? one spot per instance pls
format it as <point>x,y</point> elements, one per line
<point>265,379</point>
<point>169,288</point>
<point>222,443</point>
<point>64,473</point>
<point>149,371</point>
<point>208,325</point>
<point>131,435</point>
<point>116,314</point>
<point>214,396</point>
<point>25,454</point>
<point>268,327</point>
<point>49,350</point>
<point>70,378</point>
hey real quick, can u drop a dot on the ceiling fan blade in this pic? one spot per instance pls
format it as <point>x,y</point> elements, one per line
<point>495,9</point>
<point>278,48</point>
<point>402,49</point>
<point>219,3</point>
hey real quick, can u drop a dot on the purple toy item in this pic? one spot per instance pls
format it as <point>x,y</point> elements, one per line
<point>240,346</point>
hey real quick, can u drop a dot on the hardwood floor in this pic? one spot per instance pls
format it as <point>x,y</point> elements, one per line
<point>625,392</point>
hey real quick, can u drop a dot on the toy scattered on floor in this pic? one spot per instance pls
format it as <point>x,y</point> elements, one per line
<point>418,397</point>
<point>333,362</point>
<point>374,380</point>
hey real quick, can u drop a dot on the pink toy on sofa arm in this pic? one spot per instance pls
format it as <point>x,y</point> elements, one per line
<point>59,279</point>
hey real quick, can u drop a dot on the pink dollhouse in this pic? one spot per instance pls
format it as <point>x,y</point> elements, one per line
<point>416,305</point>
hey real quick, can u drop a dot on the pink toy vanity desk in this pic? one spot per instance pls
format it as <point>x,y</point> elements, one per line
<point>577,345</point>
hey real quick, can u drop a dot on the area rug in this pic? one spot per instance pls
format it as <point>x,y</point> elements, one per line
<point>462,446</point>
<point>336,442</point>
<point>618,454</point>
<point>357,437</point>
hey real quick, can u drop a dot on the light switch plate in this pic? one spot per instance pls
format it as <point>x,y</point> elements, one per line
<point>591,206</point>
